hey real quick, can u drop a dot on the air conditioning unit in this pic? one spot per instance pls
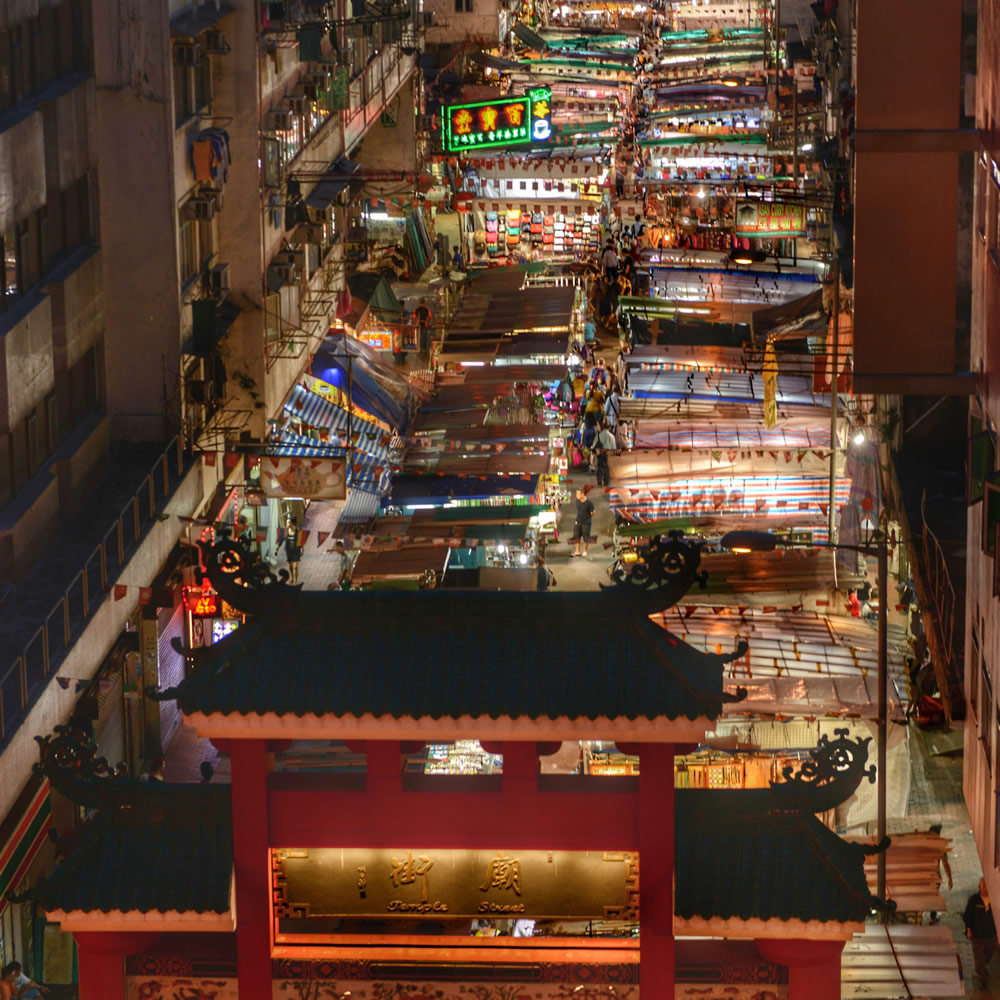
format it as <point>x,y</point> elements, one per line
<point>214,42</point>
<point>428,19</point>
<point>309,234</point>
<point>200,208</point>
<point>297,258</point>
<point>199,390</point>
<point>216,193</point>
<point>288,274</point>
<point>297,103</point>
<point>280,120</point>
<point>187,53</point>
<point>218,281</point>
<point>426,123</point>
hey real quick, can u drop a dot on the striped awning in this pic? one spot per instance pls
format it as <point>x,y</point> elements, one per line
<point>336,447</point>
<point>795,499</point>
<point>365,472</point>
<point>649,434</point>
<point>313,409</point>
<point>23,833</point>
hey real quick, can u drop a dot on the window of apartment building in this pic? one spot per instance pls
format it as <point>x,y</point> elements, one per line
<point>32,246</point>
<point>981,458</point>
<point>982,195</point>
<point>993,213</point>
<point>29,250</point>
<point>42,49</point>
<point>22,58</point>
<point>974,679</point>
<point>52,421</point>
<point>189,239</point>
<point>991,513</point>
<point>986,711</point>
<point>12,283</point>
<point>6,479</point>
<point>463,6</point>
<point>996,808</point>
<point>192,87</point>
<point>84,385</point>
<point>196,246</point>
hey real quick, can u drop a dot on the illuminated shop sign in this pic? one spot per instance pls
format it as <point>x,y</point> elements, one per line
<point>770,218</point>
<point>316,885</point>
<point>378,338</point>
<point>499,123</point>
<point>200,602</point>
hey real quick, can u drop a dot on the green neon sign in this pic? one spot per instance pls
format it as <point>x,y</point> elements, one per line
<point>489,124</point>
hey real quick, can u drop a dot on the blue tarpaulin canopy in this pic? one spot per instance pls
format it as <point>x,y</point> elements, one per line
<point>373,385</point>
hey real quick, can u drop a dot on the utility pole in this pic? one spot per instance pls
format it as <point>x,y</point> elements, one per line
<point>834,399</point>
<point>883,705</point>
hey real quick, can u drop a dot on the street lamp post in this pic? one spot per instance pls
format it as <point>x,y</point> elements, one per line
<point>762,541</point>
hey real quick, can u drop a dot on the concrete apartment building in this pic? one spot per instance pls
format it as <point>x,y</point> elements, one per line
<point>487,22</point>
<point>982,613</point>
<point>164,288</point>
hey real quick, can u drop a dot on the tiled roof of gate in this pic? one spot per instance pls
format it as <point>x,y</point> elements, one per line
<point>172,849</point>
<point>739,858</point>
<point>435,654</point>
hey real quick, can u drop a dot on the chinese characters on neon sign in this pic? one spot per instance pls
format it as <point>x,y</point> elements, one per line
<point>200,601</point>
<point>499,123</point>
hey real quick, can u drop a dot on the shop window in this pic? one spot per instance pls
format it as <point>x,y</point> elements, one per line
<point>991,513</point>
<point>981,459</point>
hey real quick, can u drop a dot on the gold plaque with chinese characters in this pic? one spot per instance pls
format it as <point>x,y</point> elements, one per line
<point>312,887</point>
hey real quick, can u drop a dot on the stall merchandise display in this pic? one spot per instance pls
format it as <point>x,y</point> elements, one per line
<point>560,233</point>
<point>461,757</point>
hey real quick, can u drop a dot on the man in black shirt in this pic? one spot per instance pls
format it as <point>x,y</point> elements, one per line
<point>581,529</point>
<point>981,931</point>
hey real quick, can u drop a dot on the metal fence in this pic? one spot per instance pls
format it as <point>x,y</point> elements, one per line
<point>23,681</point>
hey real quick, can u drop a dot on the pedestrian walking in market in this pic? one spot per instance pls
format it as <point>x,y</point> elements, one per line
<point>293,552</point>
<point>981,931</point>
<point>584,520</point>
<point>610,262</point>
<point>422,315</point>
<point>604,445</point>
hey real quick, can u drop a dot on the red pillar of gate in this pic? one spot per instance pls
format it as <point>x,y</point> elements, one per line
<point>813,966</point>
<point>250,862</point>
<point>656,870</point>
<point>101,957</point>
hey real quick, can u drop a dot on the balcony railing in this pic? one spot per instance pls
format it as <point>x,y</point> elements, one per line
<point>25,679</point>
